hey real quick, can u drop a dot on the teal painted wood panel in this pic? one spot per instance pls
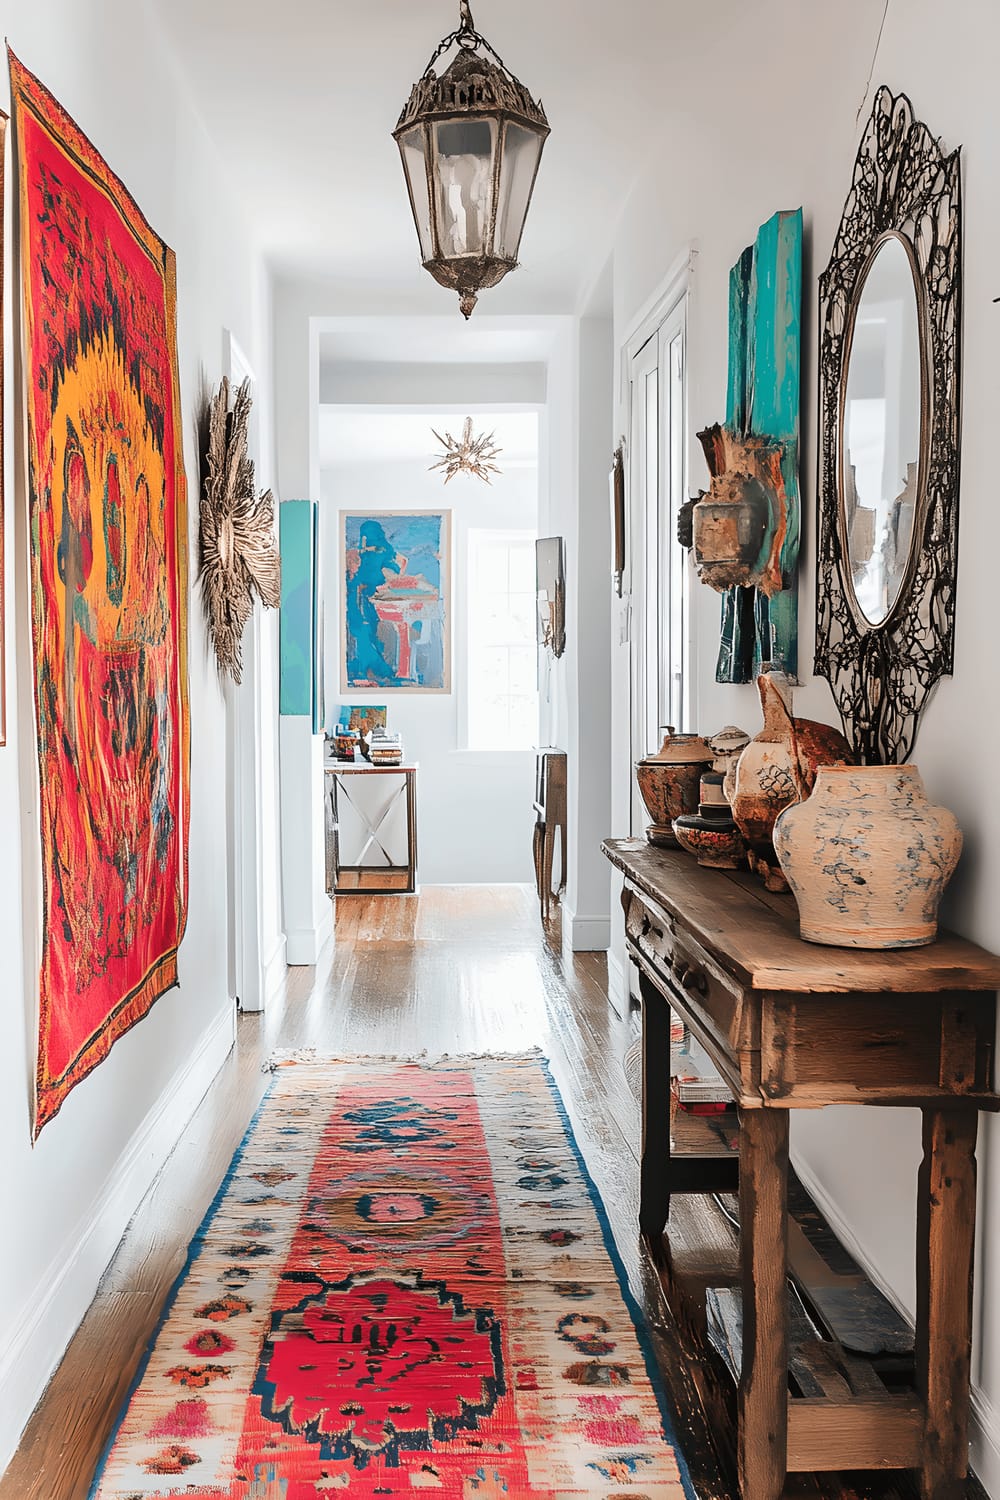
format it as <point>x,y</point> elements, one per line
<point>763,398</point>
<point>776,359</point>
<point>296,633</point>
<point>318,663</point>
<point>740,278</point>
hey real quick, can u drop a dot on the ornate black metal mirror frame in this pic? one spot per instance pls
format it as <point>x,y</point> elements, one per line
<point>881,675</point>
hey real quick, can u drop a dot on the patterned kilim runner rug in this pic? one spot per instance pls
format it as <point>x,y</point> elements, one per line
<point>406,1283</point>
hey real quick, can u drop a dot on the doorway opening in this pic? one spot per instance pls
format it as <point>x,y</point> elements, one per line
<point>437,645</point>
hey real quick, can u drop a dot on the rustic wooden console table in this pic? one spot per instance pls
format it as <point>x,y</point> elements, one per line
<point>790,1025</point>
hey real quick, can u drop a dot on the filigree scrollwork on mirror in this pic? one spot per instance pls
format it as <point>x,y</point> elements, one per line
<point>890,328</point>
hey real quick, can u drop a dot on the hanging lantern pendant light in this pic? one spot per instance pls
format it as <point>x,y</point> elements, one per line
<point>470,141</point>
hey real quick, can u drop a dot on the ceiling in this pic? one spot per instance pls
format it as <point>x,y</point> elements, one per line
<point>350,438</point>
<point>301,99</point>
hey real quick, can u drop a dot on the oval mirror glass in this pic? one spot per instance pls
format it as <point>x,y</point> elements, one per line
<point>882,430</point>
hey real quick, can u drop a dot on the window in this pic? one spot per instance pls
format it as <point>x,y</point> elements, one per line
<point>502,689</point>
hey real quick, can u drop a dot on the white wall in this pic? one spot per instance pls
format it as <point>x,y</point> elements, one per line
<point>725,162</point>
<point>68,1198</point>
<point>474,813</point>
<point>576,700</point>
<point>439,385</point>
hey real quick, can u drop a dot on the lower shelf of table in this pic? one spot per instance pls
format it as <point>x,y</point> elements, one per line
<point>368,880</point>
<point>851,1398</point>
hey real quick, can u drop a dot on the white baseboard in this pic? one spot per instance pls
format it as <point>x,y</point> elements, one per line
<point>303,945</point>
<point>984,1419</point>
<point>37,1342</point>
<point>274,968</point>
<point>585,934</point>
<point>984,1442</point>
<point>617,984</point>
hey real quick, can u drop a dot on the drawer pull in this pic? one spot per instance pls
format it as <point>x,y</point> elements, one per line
<point>694,979</point>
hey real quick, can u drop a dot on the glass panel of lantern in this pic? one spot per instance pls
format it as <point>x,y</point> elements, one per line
<point>521,152</point>
<point>411,148</point>
<point>464,188</point>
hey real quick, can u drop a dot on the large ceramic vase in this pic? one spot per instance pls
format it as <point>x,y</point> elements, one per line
<point>669,781</point>
<point>868,857</point>
<point>776,769</point>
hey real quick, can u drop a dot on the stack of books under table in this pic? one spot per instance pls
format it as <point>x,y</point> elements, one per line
<point>696,1085</point>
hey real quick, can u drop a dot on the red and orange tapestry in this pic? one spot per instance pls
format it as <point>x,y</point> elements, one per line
<point>406,1284</point>
<point>109,594</point>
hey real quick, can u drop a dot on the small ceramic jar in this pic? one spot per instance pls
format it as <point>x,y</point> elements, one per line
<point>727,746</point>
<point>710,834</point>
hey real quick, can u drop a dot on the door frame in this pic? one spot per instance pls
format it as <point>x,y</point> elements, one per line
<point>652,556</point>
<point>244,730</point>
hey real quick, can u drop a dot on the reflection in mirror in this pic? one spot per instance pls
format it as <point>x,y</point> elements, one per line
<point>882,431</point>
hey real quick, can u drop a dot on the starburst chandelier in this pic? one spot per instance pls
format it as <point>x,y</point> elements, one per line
<point>471,141</point>
<point>468,454</point>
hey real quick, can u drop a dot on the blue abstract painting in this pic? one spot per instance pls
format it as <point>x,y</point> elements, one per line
<point>396,568</point>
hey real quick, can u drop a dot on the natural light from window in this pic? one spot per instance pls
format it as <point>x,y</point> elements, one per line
<point>502,660</point>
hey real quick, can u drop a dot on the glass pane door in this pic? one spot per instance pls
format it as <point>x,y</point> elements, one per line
<point>659,568</point>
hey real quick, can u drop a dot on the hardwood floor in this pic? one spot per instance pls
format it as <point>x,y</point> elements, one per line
<point>455,969</point>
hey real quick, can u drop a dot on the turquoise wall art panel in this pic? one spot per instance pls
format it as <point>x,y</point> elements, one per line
<point>755,456</point>
<point>318,626</point>
<point>297,630</point>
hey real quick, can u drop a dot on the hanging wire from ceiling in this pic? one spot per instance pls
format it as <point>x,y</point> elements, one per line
<point>871,70</point>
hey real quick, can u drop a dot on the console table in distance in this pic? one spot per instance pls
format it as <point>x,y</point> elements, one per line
<point>382,875</point>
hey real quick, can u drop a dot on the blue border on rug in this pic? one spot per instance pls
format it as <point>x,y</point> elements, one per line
<point>634,1310</point>
<point>193,1251</point>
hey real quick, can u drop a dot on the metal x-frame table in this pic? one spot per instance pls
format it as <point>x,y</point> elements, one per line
<point>361,878</point>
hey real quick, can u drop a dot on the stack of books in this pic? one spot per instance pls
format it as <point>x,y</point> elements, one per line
<point>703,1096</point>
<point>696,1085</point>
<point>385,749</point>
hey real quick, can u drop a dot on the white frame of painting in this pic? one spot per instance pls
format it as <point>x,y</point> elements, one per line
<point>377,691</point>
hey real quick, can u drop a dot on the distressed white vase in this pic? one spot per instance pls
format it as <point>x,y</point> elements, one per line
<point>868,857</point>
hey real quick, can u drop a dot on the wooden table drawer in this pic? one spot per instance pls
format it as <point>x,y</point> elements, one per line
<point>712,1004</point>
<point>817,1049</point>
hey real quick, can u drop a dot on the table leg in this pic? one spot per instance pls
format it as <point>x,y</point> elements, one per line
<point>411,830</point>
<point>763,1394</point>
<point>536,856</point>
<point>548,850</point>
<point>654,1163</point>
<point>334,871</point>
<point>946,1225</point>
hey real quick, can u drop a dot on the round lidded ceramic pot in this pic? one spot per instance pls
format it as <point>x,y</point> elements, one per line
<point>868,857</point>
<point>669,782</point>
<point>712,837</point>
